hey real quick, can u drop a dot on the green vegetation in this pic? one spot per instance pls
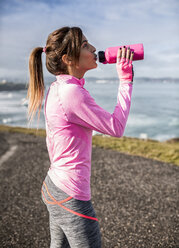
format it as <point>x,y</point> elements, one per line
<point>167,151</point>
<point>39,132</point>
<point>163,151</point>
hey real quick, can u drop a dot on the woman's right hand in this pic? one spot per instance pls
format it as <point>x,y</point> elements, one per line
<point>124,64</point>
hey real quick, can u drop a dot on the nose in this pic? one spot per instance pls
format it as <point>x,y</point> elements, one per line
<point>94,50</point>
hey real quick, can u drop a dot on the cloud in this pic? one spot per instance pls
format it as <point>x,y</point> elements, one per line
<point>27,24</point>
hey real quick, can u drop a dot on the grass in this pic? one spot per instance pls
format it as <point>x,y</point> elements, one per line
<point>162,151</point>
<point>10,129</point>
<point>167,151</point>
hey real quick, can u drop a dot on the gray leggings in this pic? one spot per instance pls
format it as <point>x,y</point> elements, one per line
<point>73,223</point>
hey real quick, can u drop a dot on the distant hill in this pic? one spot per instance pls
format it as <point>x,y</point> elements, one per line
<point>16,84</point>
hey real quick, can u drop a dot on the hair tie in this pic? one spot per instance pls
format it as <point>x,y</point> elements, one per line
<point>44,49</point>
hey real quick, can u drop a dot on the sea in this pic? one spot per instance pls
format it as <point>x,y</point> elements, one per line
<point>154,112</point>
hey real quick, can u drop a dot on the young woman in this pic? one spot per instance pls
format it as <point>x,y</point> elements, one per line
<point>71,114</point>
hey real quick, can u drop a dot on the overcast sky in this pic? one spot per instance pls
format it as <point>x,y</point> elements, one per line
<point>155,23</point>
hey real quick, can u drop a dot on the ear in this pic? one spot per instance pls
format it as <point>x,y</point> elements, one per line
<point>66,60</point>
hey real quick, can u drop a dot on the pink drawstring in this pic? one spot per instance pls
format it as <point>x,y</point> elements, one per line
<point>44,49</point>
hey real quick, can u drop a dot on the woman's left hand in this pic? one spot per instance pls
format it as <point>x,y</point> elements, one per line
<point>124,64</point>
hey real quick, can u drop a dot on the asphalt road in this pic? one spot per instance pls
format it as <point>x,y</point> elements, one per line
<point>135,198</point>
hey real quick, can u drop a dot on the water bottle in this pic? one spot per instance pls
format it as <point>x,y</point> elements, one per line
<point>110,54</point>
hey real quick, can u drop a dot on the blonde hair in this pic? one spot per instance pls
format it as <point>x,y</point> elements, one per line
<point>62,41</point>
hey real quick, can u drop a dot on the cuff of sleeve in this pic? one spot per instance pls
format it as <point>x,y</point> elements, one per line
<point>126,82</point>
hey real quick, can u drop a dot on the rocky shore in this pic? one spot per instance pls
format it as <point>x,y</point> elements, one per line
<point>9,86</point>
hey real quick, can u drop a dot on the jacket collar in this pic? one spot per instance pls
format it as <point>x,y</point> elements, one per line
<point>70,79</point>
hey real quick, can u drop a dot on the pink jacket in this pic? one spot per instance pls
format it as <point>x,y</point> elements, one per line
<point>71,115</point>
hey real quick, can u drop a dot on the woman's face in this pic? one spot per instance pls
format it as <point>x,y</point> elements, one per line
<point>88,57</point>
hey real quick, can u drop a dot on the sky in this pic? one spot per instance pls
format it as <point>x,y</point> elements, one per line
<point>25,25</point>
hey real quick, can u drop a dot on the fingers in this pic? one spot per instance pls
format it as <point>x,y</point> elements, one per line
<point>125,55</point>
<point>123,52</point>
<point>128,53</point>
<point>119,54</point>
<point>131,57</point>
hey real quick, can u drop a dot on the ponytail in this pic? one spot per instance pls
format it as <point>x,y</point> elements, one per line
<point>36,87</point>
<point>66,40</point>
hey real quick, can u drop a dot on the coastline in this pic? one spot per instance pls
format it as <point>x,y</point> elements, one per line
<point>166,151</point>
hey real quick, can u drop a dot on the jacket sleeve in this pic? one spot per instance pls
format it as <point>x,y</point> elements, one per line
<point>80,108</point>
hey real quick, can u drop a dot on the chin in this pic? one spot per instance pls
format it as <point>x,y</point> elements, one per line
<point>92,67</point>
<point>96,65</point>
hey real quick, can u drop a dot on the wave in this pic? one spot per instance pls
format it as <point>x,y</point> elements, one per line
<point>6,120</point>
<point>141,121</point>
<point>174,122</point>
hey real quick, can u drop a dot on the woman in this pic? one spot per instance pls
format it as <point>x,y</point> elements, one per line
<point>71,114</point>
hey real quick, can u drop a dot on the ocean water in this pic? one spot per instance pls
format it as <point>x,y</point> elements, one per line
<point>154,109</point>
